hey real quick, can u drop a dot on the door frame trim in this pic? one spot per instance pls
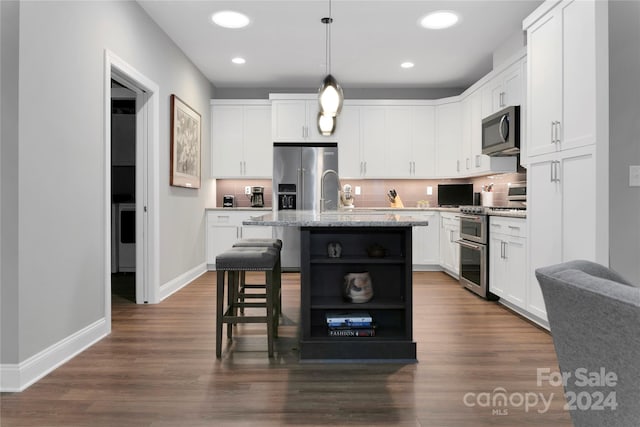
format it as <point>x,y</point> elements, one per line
<point>147,179</point>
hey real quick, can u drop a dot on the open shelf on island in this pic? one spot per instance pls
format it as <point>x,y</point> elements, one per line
<point>322,283</point>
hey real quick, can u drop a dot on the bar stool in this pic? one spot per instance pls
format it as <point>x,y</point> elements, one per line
<point>256,242</point>
<point>230,264</point>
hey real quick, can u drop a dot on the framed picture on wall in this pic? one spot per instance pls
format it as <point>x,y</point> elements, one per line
<point>185,144</point>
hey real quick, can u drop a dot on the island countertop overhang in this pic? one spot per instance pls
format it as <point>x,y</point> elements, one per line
<point>295,218</point>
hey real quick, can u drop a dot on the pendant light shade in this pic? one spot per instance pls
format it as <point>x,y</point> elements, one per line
<point>330,96</point>
<point>326,124</point>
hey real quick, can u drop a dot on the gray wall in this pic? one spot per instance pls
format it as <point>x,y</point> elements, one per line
<point>60,164</point>
<point>624,116</point>
<point>9,15</point>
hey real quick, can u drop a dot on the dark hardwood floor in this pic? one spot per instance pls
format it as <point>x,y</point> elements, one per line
<point>158,368</point>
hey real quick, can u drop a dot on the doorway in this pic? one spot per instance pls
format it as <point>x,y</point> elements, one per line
<point>123,192</point>
<point>140,171</point>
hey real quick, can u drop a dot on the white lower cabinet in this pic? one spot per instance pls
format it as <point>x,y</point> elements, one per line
<point>508,259</point>
<point>425,240</point>
<point>449,249</point>
<point>426,244</point>
<point>225,228</point>
<point>567,220</point>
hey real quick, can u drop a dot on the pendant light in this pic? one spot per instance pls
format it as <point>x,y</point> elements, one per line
<point>330,94</point>
<point>326,124</point>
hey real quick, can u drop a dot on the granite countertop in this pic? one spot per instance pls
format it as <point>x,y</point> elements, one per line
<point>340,218</point>
<point>409,209</point>
<point>269,209</point>
<point>510,214</point>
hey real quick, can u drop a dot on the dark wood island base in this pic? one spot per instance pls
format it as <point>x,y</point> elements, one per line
<point>322,292</point>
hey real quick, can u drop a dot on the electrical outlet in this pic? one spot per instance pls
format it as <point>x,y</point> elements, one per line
<point>247,190</point>
<point>357,190</point>
<point>634,176</point>
<point>429,190</point>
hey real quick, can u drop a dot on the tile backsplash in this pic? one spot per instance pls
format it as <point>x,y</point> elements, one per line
<point>374,191</point>
<point>235,187</point>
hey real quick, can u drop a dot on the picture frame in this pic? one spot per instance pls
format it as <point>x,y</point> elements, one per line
<point>186,145</point>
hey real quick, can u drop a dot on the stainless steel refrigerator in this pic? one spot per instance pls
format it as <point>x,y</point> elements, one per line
<point>305,176</point>
<point>298,171</point>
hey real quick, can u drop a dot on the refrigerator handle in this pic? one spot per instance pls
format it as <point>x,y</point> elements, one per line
<point>300,189</point>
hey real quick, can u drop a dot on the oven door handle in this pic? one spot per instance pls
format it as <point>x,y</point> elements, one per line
<point>468,245</point>
<point>471,218</point>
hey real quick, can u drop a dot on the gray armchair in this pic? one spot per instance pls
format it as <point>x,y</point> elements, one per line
<point>594,316</point>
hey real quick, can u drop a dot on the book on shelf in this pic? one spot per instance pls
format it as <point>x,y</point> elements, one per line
<point>348,318</point>
<point>352,332</point>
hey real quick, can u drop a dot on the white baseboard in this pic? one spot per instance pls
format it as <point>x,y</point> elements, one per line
<point>19,376</point>
<point>426,267</point>
<point>181,281</point>
<point>526,314</point>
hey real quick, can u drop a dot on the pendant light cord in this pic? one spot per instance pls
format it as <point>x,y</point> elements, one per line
<point>330,23</point>
<point>327,47</point>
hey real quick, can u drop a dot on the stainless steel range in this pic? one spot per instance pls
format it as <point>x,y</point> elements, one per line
<point>474,244</point>
<point>474,250</point>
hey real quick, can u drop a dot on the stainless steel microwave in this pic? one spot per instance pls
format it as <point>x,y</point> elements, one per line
<point>501,133</point>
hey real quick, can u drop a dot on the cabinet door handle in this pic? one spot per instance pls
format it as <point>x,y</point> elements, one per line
<point>553,126</point>
<point>555,175</point>
<point>558,131</point>
<point>360,168</point>
<point>477,160</point>
<point>365,168</point>
<point>240,168</point>
<point>467,163</point>
<point>551,171</point>
<point>457,165</point>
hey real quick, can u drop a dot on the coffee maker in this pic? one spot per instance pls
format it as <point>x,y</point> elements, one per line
<point>257,197</point>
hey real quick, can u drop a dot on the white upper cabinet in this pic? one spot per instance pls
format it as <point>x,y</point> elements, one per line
<point>562,69</point>
<point>385,141</point>
<point>373,138</point>
<point>240,139</point>
<point>471,151</point>
<point>397,157</point>
<point>423,143</point>
<point>348,136</point>
<point>504,90</point>
<point>296,119</point>
<point>448,139</point>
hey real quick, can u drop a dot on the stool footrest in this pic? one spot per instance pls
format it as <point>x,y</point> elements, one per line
<point>251,305</point>
<point>253,296</point>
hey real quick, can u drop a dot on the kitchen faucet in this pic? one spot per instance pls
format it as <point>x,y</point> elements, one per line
<point>324,174</point>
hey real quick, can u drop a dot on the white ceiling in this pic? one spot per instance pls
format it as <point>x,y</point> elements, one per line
<point>285,43</point>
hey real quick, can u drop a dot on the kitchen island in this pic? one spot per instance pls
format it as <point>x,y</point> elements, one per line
<point>375,243</point>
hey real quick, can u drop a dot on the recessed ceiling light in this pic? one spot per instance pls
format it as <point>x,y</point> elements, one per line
<point>230,19</point>
<point>439,20</point>
<point>407,64</point>
<point>238,60</point>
